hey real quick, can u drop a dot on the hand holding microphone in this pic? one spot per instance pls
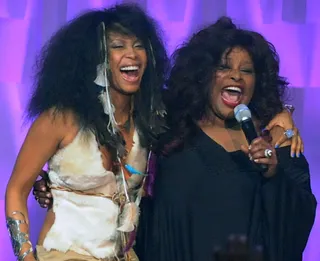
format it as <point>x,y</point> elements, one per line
<point>259,151</point>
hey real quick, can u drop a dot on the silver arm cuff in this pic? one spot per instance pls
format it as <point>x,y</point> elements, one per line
<point>18,238</point>
<point>23,255</point>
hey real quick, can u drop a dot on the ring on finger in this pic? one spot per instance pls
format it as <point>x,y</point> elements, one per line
<point>289,133</point>
<point>268,153</point>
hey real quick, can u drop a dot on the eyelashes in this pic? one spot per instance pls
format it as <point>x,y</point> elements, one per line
<point>225,67</point>
<point>119,46</point>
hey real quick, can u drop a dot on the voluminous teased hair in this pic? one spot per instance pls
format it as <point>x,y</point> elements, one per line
<point>189,86</point>
<point>67,68</point>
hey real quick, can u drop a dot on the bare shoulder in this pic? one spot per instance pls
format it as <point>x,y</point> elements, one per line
<point>44,138</point>
<point>66,124</point>
<point>60,119</point>
<point>52,125</point>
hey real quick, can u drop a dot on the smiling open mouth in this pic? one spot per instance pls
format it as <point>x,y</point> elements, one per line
<point>130,73</point>
<point>231,95</point>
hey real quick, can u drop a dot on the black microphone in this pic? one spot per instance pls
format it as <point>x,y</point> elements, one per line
<point>243,116</point>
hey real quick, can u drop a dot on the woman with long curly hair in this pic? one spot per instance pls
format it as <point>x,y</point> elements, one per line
<point>97,109</point>
<point>210,183</point>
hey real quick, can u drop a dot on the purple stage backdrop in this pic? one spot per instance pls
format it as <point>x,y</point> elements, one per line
<point>293,26</point>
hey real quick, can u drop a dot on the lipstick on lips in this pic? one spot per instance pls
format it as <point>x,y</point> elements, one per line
<point>231,95</point>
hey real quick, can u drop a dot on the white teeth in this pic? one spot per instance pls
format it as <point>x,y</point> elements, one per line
<point>233,88</point>
<point>129,68</point>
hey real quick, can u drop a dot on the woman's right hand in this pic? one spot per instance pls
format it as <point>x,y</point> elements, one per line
<point>41,191</point>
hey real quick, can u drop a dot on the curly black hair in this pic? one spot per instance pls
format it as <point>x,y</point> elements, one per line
<point>67,67</point>
<point>188,97</point>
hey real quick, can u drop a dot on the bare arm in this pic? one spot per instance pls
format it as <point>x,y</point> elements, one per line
<point>285,121</point>
<point>42,141</point>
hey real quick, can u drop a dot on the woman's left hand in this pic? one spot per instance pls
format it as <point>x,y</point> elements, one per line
<point>262,152</point>
<point>285,121</point>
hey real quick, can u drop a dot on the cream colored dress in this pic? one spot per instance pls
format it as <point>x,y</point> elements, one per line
<point>88,224</point>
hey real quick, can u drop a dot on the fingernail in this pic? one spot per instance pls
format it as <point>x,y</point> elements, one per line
<point>265,132</point>
<point>43,189</point>
<point>276,146</point>
<point>298,155</point>
<point>249,147</point>
<point>256,160</point>
<point>292,154</point>
<point>47,201</point>
<point>45,206</point>
<point>48,195</point>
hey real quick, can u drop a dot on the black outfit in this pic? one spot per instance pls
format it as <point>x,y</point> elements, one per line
<point>203,194</point>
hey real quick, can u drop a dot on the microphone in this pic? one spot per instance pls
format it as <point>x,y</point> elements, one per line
<point>243,116</point>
